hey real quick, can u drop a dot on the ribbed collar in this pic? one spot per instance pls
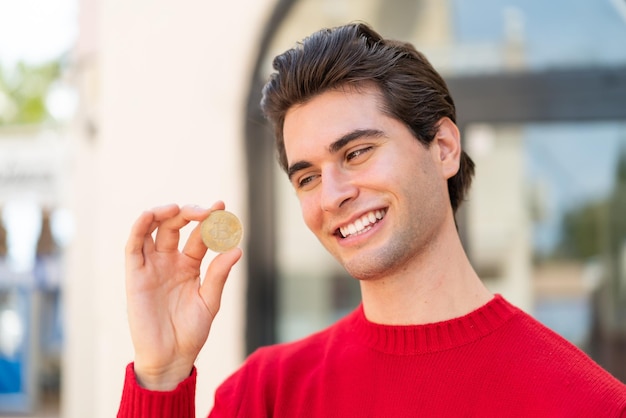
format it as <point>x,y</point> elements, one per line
<point>421,339</point>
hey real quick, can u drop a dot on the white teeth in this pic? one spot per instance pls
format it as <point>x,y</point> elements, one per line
<point>362,224</point>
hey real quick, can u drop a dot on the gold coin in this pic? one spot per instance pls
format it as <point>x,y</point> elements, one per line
<point>221,231</point>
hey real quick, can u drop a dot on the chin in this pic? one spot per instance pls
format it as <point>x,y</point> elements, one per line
<point>379,262</point>
<point>366,269</point>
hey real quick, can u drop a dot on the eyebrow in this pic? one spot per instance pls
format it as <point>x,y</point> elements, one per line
<point>336,146</point>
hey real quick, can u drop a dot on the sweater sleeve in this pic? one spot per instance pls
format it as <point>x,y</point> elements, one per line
<point>138,402</point>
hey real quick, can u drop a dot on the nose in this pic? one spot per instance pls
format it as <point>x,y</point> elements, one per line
<point>337,188</point>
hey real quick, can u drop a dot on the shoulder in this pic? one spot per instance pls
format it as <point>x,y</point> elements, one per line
<point>544,359</point>
<point>275,369</point>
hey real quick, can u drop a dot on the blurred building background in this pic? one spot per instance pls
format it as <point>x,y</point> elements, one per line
<point>157,102</point>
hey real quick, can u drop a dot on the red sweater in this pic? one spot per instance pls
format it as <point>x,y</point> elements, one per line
<point>496,361</point>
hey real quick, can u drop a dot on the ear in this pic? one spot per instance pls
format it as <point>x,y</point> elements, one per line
<point>448,147</point>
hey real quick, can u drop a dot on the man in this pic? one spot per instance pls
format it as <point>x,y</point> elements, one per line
<point>365,129</point>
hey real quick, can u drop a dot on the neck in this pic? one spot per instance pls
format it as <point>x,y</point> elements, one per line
<point>437,286</point>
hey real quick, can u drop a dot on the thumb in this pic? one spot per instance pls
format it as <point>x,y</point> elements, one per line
<point>215,278</point>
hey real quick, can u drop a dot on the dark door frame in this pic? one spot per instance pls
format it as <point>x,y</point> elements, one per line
<point>579,94</point>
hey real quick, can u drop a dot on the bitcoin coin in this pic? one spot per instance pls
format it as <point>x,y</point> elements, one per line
<point>221,231</point>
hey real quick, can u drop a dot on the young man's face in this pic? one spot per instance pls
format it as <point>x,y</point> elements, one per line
<point>373,195</point>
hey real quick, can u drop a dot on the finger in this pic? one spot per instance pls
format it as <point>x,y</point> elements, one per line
<point>162,213</point>
<point>140,238</point>
<point>139,235</point>
<point>168,233</point>
<point>215,278</point>
<point>194,247</point>
<point>219,205</point>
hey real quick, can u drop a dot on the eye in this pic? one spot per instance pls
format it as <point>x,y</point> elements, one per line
<point>358,152</point>
<point>305,181</point>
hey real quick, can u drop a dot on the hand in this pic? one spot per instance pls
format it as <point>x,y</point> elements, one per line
<point>170,310</point>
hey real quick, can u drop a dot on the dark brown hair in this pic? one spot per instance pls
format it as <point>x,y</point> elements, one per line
<point>412,91</point>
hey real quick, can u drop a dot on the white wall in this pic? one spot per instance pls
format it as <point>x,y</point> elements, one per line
<point>171,81</point>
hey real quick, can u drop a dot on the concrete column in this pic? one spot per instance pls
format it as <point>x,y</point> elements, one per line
<point>171,79</point>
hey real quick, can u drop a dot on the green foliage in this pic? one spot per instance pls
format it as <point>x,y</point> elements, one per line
<point>597,227</point>
<point>23,92</point>
<point>583,230</point>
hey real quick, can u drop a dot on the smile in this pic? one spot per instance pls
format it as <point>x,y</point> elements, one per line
<point>363,224</point>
